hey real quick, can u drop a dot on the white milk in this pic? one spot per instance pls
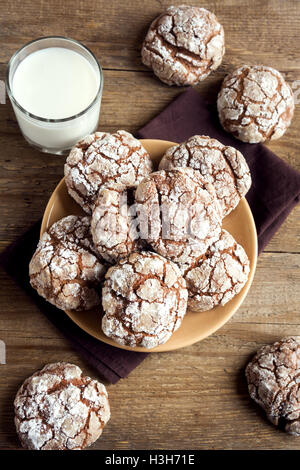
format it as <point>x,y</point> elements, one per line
<point>56,83</point>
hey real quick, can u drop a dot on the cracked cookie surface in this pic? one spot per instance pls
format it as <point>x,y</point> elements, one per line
<point>217,276</point>
<point>179,213</point>
<point>104,158</point>
<point>255,104</point>
<point>64,268</point>
<point>144,298</point>
<point>183,45</point>
<point>58,408</point>
<point>113,226</point>
<point>273,382</point>
<point>222,166</point>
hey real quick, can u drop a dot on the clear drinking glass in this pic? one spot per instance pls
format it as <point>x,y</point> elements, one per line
<point>55,136</point>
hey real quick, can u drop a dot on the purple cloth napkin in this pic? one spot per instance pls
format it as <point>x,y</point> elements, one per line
<point>275,186</point>
<point>275,191</point>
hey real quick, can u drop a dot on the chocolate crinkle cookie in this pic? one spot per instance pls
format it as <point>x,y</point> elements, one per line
<point>179,213</point>
<point>217,276</point>
<point>104,158</point>
<point>114,223</point>
<point>58,408</point>
<point>255,104</point>
<point>222,166</point>
<point>183,45</point>
<point>64,268</point>
<point>144,300</point>
<point>273,382</point>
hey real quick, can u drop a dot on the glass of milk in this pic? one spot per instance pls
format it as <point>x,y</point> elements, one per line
<point>55,87</point>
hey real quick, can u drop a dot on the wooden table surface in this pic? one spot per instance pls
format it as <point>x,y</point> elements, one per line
<point>194,398</point>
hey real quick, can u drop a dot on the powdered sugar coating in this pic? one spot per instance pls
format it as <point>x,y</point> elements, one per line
<point>58,408</point>
<point>64,268</point>
<point>255,104</point>
<point>273,382</point>
<point>183,45</point>
<point>222,166</point>
<point>180,215</point>
<point>104,158</point>
<point>113,224</point>
<point>144,298</point>
<point>217,276</point>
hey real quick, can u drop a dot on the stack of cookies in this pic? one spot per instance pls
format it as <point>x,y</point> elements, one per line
<point>151,244</point>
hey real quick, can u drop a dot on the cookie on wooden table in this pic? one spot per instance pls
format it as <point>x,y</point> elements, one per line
<point>273,382</point>
<point>104,158</point>
<point>58,408</point>
<point>144,299</point>
<point>222,166</point>
<point>179,213</point>
<point>217,276</point>
<point>65,268</point>
<point>183,45</point>
<point>255,104</point>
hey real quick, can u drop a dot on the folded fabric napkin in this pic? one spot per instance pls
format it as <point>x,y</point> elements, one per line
<point>275,191</point>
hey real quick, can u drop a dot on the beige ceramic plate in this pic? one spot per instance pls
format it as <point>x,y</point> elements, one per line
<point>195,326</point>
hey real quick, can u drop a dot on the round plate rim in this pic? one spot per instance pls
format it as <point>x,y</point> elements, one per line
<point>165,347</point>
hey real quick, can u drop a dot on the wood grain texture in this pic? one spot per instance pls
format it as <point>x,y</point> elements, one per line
<point>192,398</point>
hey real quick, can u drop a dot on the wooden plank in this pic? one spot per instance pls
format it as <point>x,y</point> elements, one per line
<point>115,30</point>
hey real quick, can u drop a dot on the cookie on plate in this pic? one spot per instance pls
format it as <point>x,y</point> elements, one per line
<point>222,166</point>
<point>144,299</point>
<point>179,213</point>
<point>273,382</point>
<point>58,408</point>
<point>114,224</point>
<point>104,158</point>
<point>65,269</point>
<point>255,104</point>
<point>217,276</point>
<point>183,45</point>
